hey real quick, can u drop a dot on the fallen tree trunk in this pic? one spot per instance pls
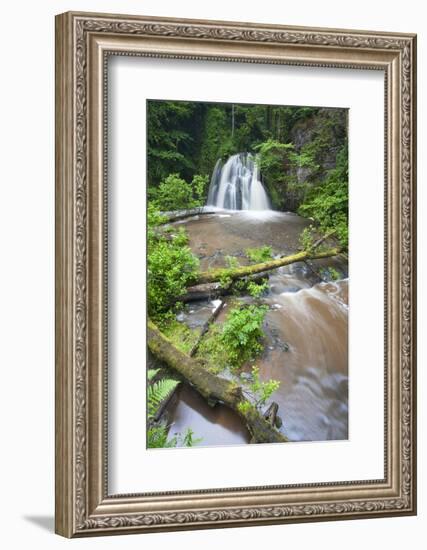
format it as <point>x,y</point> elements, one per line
<point>215,275</point>
<point>209,291</point>
<point>205,328</point>
<point>213,388</point>
<point>176,215</point>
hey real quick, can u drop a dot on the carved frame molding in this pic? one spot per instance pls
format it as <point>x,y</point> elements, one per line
<point>83,43</point>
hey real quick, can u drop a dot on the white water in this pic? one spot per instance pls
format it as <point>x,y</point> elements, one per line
<point>237,185</point>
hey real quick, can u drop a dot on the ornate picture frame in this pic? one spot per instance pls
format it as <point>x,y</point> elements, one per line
<point>84,42</point>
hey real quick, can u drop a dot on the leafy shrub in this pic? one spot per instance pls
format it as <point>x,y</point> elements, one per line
<point>261,391</point>
<point>174,193</point>
<point>256,289</point>
<point>171,266</point>
<point>259,255</point>
<point>242,332</point>
<point>327,203</point>
<point>306,238</point>
<point>278,163</point>
<point>200,187</point>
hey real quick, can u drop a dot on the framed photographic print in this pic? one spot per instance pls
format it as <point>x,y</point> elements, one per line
<point>235,274</point>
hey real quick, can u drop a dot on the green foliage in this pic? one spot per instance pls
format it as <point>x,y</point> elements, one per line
<point>159,392</point>
<point>330,273</point>
<point>259,255</point>
<point>256,289</point>
<point>170,138</point>
<point>278,163</point>
<point>327,203</point>
<point>261,391</point>
<point>157,437</point>
<point>273,155</point>
<point>212,352</point>
<point>242,333</point>
<point>334,274</point>
<point>178,333</point>
<point>188,439</point>
<point>200,187</point>
<point>225,279</point>
<point>171,266</point>
<point>275,160</point>
<point>187,138</point>
<point>244,407</point>
<point>154,217</point>
<point>152,373</point>
<point>174,193</point>
<point>234,342</point>
<point>216,139</point>
<point>306,238</point>
<point>157,434</point>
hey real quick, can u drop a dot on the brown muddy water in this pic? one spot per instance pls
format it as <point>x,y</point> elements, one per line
<point>306,328</point>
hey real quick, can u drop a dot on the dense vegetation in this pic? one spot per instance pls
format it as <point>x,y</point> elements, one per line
<point>170,263</point>
<point>302,153</point>
<point>303,159</point>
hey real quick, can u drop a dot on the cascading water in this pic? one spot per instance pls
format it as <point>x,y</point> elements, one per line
<point>236,185</point>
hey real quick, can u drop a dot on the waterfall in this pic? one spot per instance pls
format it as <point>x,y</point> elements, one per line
<point>236,185</point>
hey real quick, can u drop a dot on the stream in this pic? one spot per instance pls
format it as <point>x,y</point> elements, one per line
<point>306,331</point>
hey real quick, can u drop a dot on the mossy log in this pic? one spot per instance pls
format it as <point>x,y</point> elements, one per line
<point>214,275</point>
<point>205,328</point>
<point>210,291</point>
<point>213,388</point>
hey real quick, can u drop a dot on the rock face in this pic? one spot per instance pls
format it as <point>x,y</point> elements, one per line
<point>318,139</point>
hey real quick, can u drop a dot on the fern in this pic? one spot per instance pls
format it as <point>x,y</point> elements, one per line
<point>152,373</point>
<point>159,392</point>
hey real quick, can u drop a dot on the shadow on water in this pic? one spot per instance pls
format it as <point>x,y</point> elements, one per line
<point>216,425</point>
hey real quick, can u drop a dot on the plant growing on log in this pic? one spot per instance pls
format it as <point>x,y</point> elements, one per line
<point>179,333</point>
<point>212,351</point>
<point>258,255</point>
<point>259,391</point>
<point>214,275</point>
<point>256,289</point>
<point>212,388</point>
<point>306,238</point>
